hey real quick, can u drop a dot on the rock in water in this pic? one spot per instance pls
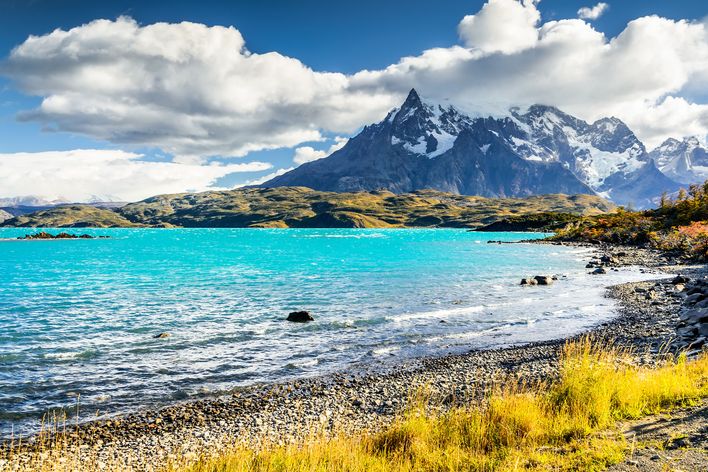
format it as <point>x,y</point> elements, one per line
<point>543,279</point>
<point>300,317</point>
<point>162,335</point>
<point>599,270</point>
<point>526,281</point>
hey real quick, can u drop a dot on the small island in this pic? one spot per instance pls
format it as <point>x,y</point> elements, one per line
<point>62,235</point>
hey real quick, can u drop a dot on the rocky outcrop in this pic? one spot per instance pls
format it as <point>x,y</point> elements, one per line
<point>300,317</point>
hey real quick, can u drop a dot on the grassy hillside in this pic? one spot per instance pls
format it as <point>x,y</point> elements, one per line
<point>300,207</point>
<point>74,216</point>
<point>679,226</point>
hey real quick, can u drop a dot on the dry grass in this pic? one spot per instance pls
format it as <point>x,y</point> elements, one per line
<point>570,424</point>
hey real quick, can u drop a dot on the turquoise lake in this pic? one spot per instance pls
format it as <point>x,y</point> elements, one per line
<point>77,317</point>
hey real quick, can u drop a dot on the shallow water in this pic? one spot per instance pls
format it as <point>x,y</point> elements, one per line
<point>77,317</point>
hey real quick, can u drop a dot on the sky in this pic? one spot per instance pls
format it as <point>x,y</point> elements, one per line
<point>122,100</point>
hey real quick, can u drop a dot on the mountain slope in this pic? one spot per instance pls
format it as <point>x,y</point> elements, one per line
<point>424,145</point>
<point>300,207</point>
<point>685,161</point>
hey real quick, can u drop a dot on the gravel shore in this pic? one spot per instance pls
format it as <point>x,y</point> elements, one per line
<point>355,401</point>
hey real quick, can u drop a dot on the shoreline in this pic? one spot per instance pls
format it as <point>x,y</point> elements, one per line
<point>355,401</point>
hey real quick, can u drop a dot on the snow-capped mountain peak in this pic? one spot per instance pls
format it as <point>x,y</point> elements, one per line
<point>685,160</point>
<point>425,128</point>
<point>538,149</point>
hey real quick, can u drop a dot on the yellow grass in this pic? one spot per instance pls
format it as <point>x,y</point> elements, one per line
<point>568,424</point>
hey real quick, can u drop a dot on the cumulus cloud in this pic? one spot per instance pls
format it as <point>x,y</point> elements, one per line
<point>195,91</point>
<point>79,175</point>
<point>573,66</point>
<point>505,26</point>
<point>308,154</point>
<point>593,13</point>
<point>187,88</point>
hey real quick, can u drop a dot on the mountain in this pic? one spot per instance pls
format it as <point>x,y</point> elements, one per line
<point>300,207</point>
<point>16,206</point>
<point>541,150</point>
<point>30,201</point>
<point>5,216</point>
<point>686,161</point>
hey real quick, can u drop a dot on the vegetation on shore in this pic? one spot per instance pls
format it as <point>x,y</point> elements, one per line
<point>546,221</point>
<point>300,207</point>
<point>678,226</point>
<point>567,424</point>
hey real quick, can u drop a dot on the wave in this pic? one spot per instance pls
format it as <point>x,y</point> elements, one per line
<point>343,236</point>
<point>71,355</point>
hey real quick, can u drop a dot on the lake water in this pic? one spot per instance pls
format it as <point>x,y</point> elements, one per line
<point>77,317</point>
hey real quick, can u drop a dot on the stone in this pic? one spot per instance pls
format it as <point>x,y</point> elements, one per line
<point>543,279</point>
<point>607,259</point>
<point>598,271</point>
<point>694,298</point>
<point>680,279</point>
<point>528,281</point>
<point>162,335</point>
<point>300,317</point>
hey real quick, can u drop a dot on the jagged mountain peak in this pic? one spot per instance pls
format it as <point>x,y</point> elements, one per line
<point>685,160</point>
<point>425,144</point>
<point>424,127</point>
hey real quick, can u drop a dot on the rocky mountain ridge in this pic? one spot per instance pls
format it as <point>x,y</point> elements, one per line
<point>539,150</point>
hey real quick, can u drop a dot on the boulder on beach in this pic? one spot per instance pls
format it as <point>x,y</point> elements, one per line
<point>680,279</point>
<point>300,317</point>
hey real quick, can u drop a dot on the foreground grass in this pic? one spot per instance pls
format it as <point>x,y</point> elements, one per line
<point>568,424</point>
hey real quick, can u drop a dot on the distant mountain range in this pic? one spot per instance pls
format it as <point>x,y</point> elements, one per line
<point>536,151</point>
<point>16,206</point>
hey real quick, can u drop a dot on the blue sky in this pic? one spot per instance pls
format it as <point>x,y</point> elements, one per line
<point>323,35</point>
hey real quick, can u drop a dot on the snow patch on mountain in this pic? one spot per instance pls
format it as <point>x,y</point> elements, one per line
<point>685,160</point>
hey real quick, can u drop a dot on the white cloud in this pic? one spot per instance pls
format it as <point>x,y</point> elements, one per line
<point>575,67</point>
<point>265,178</point>
<point>80,174</point>
<point>505,26</point>
<point>189,89</point>
<point>593,13</point>
<point>195,91</point>
<point>308,154</point>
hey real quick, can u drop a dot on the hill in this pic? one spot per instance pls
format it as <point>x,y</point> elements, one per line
<point>300,207</point>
